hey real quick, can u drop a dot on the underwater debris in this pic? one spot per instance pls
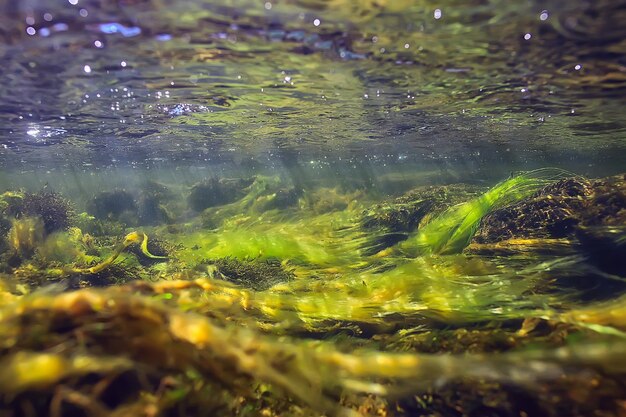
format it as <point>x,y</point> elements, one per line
<point>117,205</point>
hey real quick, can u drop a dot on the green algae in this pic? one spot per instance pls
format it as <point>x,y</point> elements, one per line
<point>452,231</point>
<point>284,308</point>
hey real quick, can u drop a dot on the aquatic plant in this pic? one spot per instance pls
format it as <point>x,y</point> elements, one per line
<point>56,212</point>
<point>452,231</point>
<point>191,350</point>
<point>129,239</point>
<point>59,247</point>
<point>26,235</point>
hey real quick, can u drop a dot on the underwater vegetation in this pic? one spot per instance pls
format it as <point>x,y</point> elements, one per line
<point>55,211</point>
<point>279,300</point>
<point>452,231</point>
<point>25,235</point>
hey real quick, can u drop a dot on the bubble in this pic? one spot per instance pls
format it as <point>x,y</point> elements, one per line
<point>87,69</point>
<point>528,36</point>
<point>437,14</point>
<point>317,22</point>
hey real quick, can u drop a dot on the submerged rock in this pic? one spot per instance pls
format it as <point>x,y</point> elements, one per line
<point>405,213</point>
<point>151,204</point>
<point>112,205</point>
<point>605,247</point>
<point>216,192</point>
<point>54,210</point>
<point>255,274</point>
<point>558,211</point>
<point>283,199</point>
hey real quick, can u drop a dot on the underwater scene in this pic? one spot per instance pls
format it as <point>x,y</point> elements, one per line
<point>312,208</point>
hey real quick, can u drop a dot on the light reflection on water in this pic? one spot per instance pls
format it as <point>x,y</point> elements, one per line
<point>496,83</point>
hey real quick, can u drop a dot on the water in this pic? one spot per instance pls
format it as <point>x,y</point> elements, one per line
<point>294,167</point>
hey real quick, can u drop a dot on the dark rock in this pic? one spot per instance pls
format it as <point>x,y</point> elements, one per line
<point>113,205</point>
<point>557,211</point>
<point>284,198</point>
<point>605,247</point>
<point>151,209</point>
<point>217,192</point>
<point>404,214</point>
<point>256,274</point>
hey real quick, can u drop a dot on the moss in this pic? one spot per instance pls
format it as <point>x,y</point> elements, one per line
<point>399,217</point>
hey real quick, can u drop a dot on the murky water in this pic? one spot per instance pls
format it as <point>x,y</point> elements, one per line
<point>307,207</point>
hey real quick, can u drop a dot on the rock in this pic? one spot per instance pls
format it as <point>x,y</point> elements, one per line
<point>404,214</point>
<point>557,211</point>
<point>605,247</point>
<point>113,205</point>
<point>216,192</point>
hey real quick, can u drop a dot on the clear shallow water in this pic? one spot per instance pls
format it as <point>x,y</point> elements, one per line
<point>235,171</point>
